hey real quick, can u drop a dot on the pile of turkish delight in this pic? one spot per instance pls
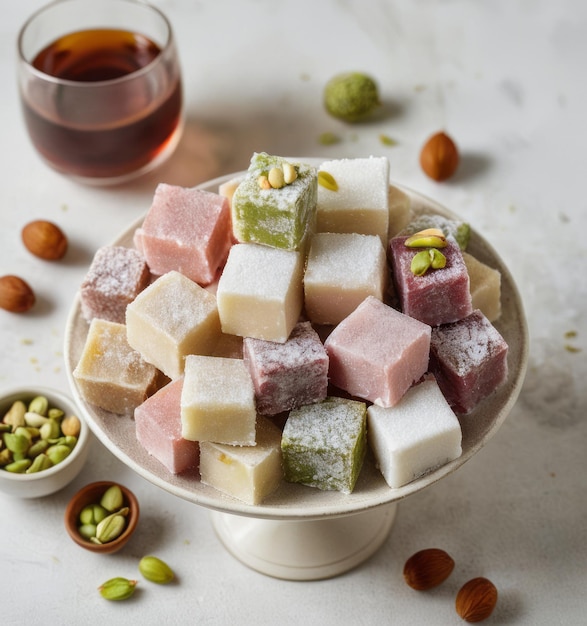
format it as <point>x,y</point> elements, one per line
<point>277,329</point>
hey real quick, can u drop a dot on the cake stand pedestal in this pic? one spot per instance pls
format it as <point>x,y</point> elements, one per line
<point>305,549</point>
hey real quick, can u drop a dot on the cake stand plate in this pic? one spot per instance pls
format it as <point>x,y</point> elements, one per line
<point>305,549</point>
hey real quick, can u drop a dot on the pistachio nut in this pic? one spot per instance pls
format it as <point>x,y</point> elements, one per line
<point>5,457</point>
<point>15,415</point>
<point>92,514</point>
<point>34,419</point>
<point>112,498</point>
<point>110,528</point>
<point>117,588</point>
<point>71,425</point>
<point>37,448</point>
<point>437,259</point>
<point>17,443</point>
<point>327,181</point>
<point>58,453</point>
<point>55,414</point>
<point>18,467</point>
<point>22,431</point>
<point>290,173</point>
<point>87,531</point>
<point>39,405</point>
<point>156,570</point>
<point>276,178</point>
<point>41,462</point>
<point>429,237</point>
<point>50,430</point>
<point>420,263</point>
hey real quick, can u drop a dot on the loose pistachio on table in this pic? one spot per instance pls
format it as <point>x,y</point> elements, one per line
<point>32,436</point>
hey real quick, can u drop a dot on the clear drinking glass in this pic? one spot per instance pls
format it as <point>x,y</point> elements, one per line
<point>100,88</point>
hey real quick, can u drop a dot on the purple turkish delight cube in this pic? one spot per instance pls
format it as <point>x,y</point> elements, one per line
<point>469,360</point>
<point>439,296</point>
<point>288,375</point>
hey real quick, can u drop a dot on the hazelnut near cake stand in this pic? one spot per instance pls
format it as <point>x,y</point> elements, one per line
<point>302,533</point>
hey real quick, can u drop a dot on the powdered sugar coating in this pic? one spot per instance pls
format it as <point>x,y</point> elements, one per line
<point>469,360</point>
<point>114,279</point>
<point>288,375</point>
<point>323,445</point>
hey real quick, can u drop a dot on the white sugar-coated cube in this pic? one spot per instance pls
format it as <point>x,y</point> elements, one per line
<point>485,287</point>
<point>218,401</point>
<point>110,374</point>
<point>248,473</point>
<point>342,270</point>
<point>417,435</point>
<point>260,292</point>
<point>361,202</point>
<point>170,319</point>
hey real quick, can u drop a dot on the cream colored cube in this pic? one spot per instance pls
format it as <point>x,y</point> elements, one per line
<point>110,374</point>
<point>361,202</point>
<point>342,270</point>
<point>400,210</point>
<point>248,473</point>
<point>218,401</point>
<point>485,287</point>
<point>260,292</point>
<point>170,319</point>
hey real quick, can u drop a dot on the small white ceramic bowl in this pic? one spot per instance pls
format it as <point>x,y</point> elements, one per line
<point>55,478</point>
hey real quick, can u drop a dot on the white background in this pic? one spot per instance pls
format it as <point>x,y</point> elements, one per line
<point>506,78</point>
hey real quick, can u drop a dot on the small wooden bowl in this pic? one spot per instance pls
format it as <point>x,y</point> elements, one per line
<point>91,494</point>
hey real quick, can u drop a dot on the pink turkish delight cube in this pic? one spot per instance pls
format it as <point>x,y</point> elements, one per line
<point>187,230</point>
<point>377,353</point>
<point>288,375</point>
<point>114,279</point>
<point>439,296</point>
<point>469,360</point>
<point>158,429</point>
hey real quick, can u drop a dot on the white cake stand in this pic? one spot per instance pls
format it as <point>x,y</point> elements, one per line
<point>301,533</point>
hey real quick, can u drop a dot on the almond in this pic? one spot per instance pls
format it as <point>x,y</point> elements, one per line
<point>16,295</point>
<point>45,240</point>
<point>476,600</point>
<point>439,157</point>
<point>428,568</point>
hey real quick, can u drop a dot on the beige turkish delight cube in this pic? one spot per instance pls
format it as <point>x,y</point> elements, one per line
<point>110,373</point>
<point>218,401</point>
<point>485,287</point>
<point>248,473</point>
<point>170,319</point>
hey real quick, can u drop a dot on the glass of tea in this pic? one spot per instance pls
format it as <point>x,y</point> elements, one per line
<point>100,87</point>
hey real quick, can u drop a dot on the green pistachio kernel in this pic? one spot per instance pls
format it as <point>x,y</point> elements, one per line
<point>50,430</point>
<point>37,448</point>
<point>327,181</point>
<point>437,259</point>
<point>156,570</point>
<point>5,457</point>
<point>58,453</point>
<point>110,528</point>
<point>39,405</point>
<point>40,463</point>
<point>117,588</point>
<point>16,443</point>
<point>55,414</point>
<point>34,419</point>
<point>87,531</point>
<point>112,498</point>
<point>420,263</point>
<point>92,514</point>
<point>18,467</point>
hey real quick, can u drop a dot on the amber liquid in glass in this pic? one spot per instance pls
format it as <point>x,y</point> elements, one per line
<point>133,135</point>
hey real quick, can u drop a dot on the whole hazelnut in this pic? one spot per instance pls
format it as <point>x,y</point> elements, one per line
<point>16,295</point>
<point>439,157</point>
<point>45,240</point>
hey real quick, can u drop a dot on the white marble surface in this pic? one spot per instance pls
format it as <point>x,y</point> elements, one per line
<point>506,78</point>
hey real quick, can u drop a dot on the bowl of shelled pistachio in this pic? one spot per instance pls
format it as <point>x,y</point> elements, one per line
<point>44,441</point>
